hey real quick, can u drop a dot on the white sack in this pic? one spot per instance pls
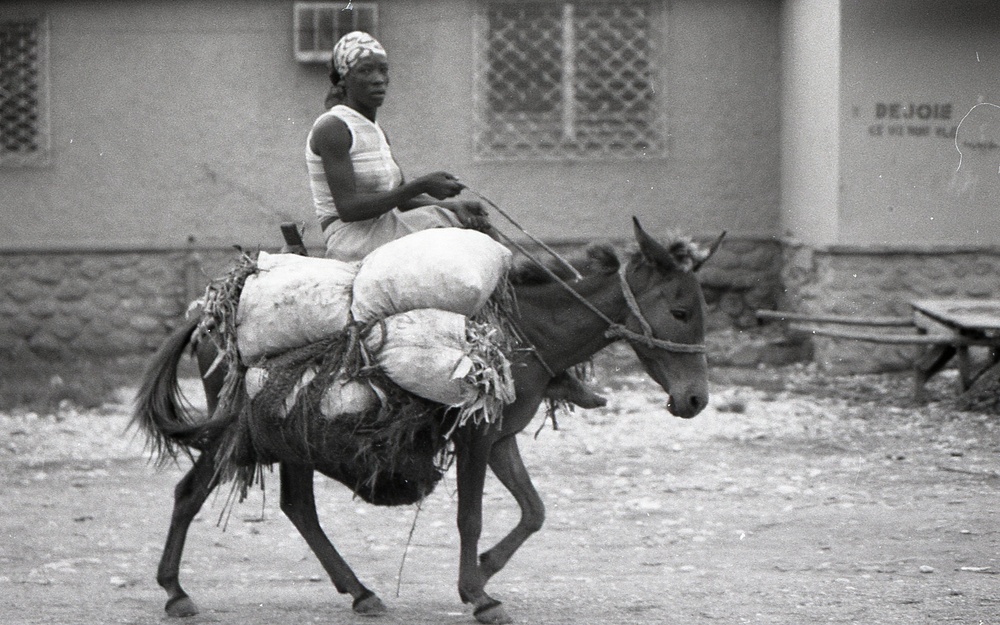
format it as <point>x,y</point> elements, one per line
<point>254,380</point>
<point>450,269</point>
<point>292,301</point>
<point>426,353</point>
<point>342,397</point>
<point>345,397</point>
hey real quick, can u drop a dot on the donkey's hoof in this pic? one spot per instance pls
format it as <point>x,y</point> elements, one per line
<point>492,613</point>
<point>181,606</point>
<point>369,604</point>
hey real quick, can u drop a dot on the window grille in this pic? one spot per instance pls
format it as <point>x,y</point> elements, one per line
<point>568,80</point>
<point>24,137</point>
<point>319,25</point>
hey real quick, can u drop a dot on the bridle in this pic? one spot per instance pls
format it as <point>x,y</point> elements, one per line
<point>618,331</point>
<point>615,331</point>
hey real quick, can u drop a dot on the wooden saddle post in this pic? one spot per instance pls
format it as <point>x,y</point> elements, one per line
<point>293,239</point>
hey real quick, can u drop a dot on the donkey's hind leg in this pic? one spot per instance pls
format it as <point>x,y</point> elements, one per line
<point>299,505</point>
<point>189,495</point>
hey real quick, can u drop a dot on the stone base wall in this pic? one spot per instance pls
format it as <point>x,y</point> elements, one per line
<point>120,304</point>
<point>100,305</point>
<point>879,282</point>
<point>743,276</point>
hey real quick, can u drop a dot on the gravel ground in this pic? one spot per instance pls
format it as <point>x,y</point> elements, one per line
<point>794,498</point>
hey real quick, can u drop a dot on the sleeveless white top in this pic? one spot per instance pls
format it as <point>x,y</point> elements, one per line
<point>375,169</point>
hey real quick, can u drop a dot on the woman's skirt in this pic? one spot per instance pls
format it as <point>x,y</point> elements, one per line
<point>351,241</point>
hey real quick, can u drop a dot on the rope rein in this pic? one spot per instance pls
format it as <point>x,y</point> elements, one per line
<point>615,331</point>
<point>503,213</point>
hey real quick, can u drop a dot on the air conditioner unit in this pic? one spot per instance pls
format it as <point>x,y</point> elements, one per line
<point>318,26</point>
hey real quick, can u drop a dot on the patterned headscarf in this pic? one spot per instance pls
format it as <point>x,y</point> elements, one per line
<point>353,47</point>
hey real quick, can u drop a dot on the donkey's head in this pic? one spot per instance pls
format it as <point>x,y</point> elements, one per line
<point>666,320</point>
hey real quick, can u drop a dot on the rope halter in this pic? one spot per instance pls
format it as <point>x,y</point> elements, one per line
<point>615,331</point>
<point>618,331</point>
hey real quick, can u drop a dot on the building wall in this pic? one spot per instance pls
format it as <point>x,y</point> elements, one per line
<point>180,125</point>
<point>890,122</point>
<point>721,81</point>
<point>183,119</point>
<point>895,197</point>
<point>914,73</point>
<point>169,121</point>
<point>863,281</point>
<point>71,304</point>
<point>98,304</point>
<point>810,144</point>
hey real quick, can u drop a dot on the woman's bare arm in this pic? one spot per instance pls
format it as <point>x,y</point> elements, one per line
<point>331,140</point>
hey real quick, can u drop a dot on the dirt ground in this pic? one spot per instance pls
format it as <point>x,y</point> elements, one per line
<point>794,498</point>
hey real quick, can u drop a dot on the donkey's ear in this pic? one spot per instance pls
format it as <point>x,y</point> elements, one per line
<point>652,250</point>
<point>711,250</point>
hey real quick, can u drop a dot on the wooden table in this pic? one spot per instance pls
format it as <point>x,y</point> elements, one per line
<point>972,322</point>
<point>943,328</point>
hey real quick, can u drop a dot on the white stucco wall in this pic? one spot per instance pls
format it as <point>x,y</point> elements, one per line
<point>181,119</point>
<point>721,81</point>
<point>912,71</point>
<point>168,120</point>
<point>810,144</point>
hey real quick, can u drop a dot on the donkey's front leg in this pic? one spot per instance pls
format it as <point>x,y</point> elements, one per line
<point>472,449</point>
<point>507,465</point>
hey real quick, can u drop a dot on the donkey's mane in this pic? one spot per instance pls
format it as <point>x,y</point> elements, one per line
<point>597,259</point>
<point>600,259</point>
<point>681,252</point>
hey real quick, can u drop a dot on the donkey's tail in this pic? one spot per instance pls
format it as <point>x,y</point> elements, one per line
<point>161,412</point>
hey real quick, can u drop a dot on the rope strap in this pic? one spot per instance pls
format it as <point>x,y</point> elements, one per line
<point>563,261</point>
<point>615,331</point>
<point>620,332</point>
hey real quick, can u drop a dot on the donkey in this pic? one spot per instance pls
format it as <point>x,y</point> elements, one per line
<point>653,301</point>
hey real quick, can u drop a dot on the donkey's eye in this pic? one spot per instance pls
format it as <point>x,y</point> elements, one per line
<point>679,314</point>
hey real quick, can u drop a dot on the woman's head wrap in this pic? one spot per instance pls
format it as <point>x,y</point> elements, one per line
<point>353,47</point>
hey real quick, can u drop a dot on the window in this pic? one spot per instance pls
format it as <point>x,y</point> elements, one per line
<point>569,80</point>
<point>24,136</point>
<point>319,25</point>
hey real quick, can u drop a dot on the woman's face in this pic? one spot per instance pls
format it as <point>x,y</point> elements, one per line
<point>367,81</point>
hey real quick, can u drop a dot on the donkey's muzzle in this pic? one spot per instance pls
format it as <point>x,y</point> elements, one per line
<point>687,406</point>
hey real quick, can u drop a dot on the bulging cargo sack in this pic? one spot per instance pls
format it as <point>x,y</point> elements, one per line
<point>450,269</point>
<point>444,357</point>
<point>292,301</point>
<point>341,397</point>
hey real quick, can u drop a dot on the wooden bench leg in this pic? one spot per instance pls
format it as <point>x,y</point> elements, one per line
<point>933,360</point>
<point>965,376</point>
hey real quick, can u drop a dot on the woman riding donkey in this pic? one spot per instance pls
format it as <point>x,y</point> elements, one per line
<point>360,195</point>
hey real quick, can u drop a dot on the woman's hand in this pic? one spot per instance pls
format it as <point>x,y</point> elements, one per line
<point>471,213</point>
<point>440,185</point>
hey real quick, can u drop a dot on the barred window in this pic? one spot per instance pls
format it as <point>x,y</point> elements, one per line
<point>319,25</point>
<point>568,80</point>
<point>24,136</point>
